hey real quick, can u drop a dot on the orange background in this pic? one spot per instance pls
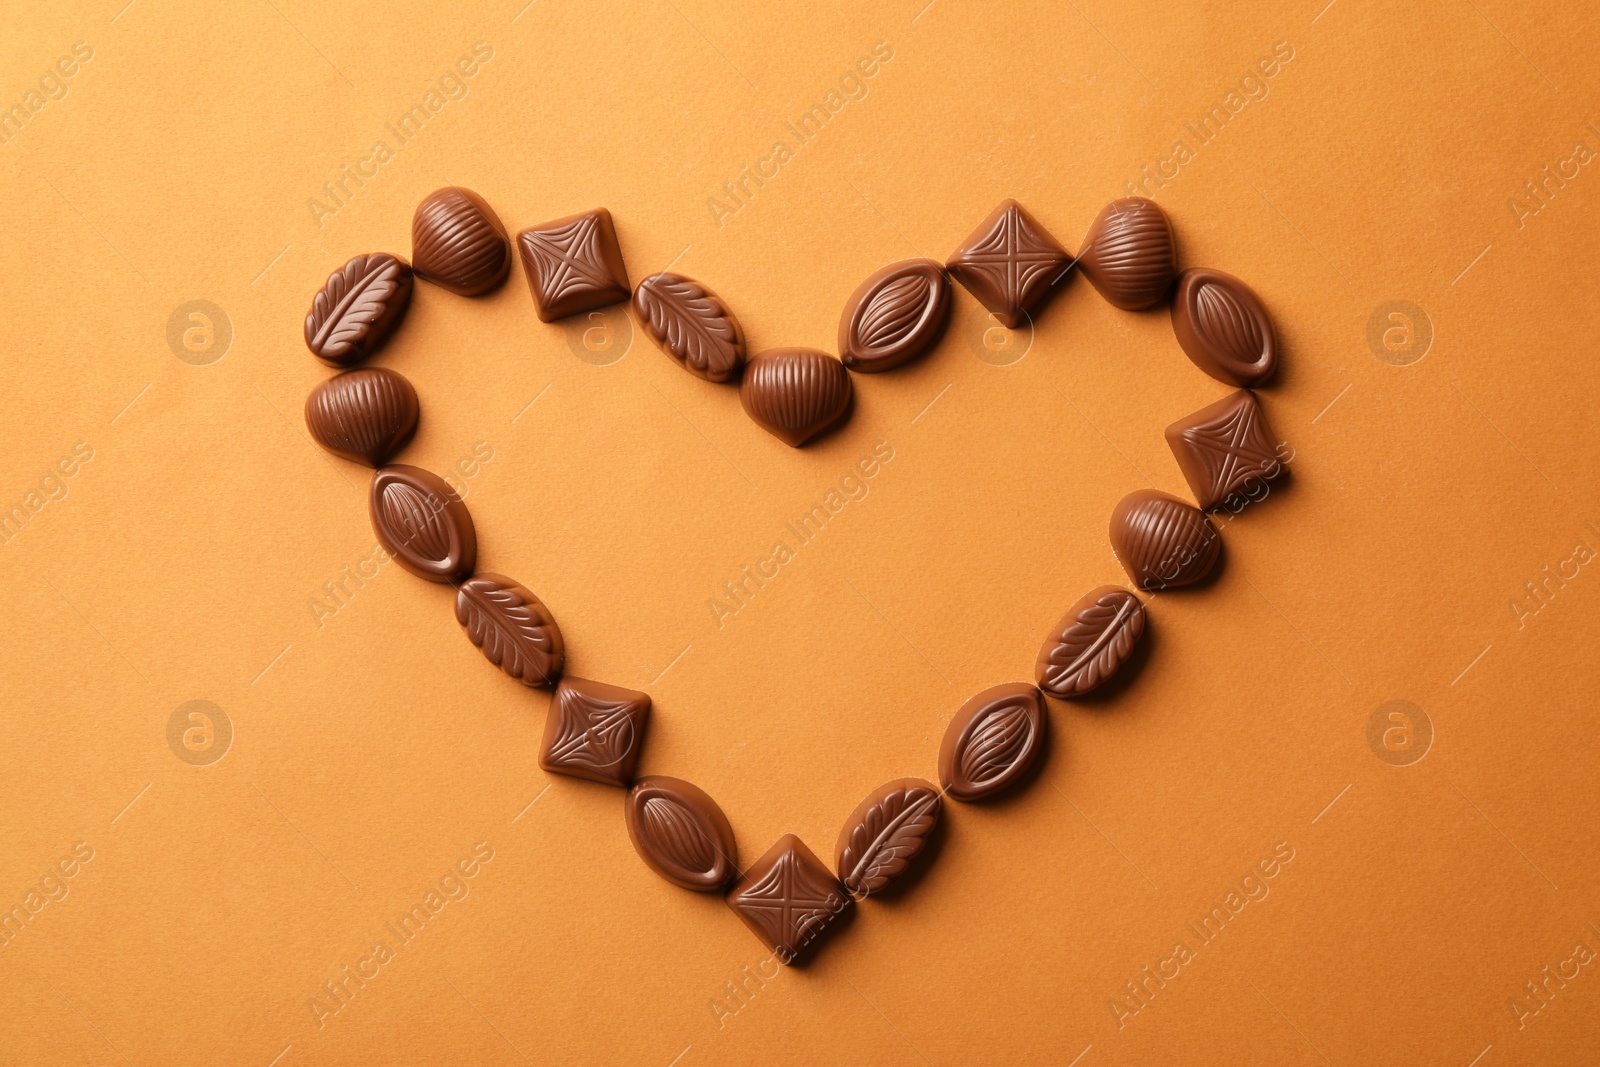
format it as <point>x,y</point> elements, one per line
<point>373,748</point>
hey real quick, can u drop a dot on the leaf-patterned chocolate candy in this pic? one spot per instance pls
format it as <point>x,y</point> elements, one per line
<point>1224,328</point>
<point>594,731</point>
<point>457,242</point>
<point>1163,542</point>
<point>680,833</point>
<point>885,833</point>
<point>364,415</point>
<point>357,308</point>
<point>795,393</point>
<point>894,316</point>
<point>992,741</point>
<point>1094,638</point>
<point>692,325</point>
<point>1128,254</point>
<point>422,523</point>
<point>514,629</point>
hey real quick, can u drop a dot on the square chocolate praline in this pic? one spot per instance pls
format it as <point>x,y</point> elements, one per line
<point>789,899</point>
<point>573,264</point>
<point>1226,451</point>
<point>1010,263</point>
<point>594,731</point>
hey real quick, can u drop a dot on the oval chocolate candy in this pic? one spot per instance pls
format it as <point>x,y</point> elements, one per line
<point>422,523</point>
<point>993,741</point>
<point>1089,644</point>
<point>1128,254</point>
<point>692,325</point>
<point>795,393</point>
<point>364,415</point>
<point>885,833</point>
<point>680,833</point>
<point>457,242</point>
<point>894,316</point>
<point>1224,328</point>
<point>357,308</point>
<point>1162,541</point>
<point>512,627</point>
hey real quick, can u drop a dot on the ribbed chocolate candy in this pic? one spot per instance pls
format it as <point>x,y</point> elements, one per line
<point>1162,541</point>
<point>457,242</point>
<point>795,393</point>
<point>363,415</point>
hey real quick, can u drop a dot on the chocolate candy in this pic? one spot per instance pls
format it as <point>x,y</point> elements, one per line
<point>1226,451</point>
<point>894,316</point>
<point>594,731</point>
<point>1093,639</point>
<point>680,833</point>
<point>1128,254</point>
<point>788,899</point>
<point>885,833</point>
<point>1162,541</point>
<point>691,325</point>
<point>357,308</point>
<point>457,242</point>
<point>1009,263</point>
<point>422,523</point>
<point>795,393</point>
<point>514,629</point>
<point>363,415</point>
<point>992,741</point>
<point>1223,328</point>
<point>573,264</point>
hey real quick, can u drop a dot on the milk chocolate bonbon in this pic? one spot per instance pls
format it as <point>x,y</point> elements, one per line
<point>422,523</point>
<point>594,731</point>
<point>1009,263</point>
<point>573,264</point>
<point>1226,452</point>
<point>1162,541</point>
<point>1224,328</point>
<point>680,833</point>
<point>1128,254</point>
<point>795,394</point>
<point>894,316</point>
<point>788,899</point>
<point>1090,643</point>
<point>457,242</point>
<point>992,741</point>
<point>885,833</point>
<point>357,308</point>
<point>512,627</point>
<point>692,325</point>
<point>364,415</point>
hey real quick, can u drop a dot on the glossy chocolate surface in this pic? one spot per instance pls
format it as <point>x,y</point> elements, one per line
<point>993,741</point>
<point>512,627</point>
<point>788,899</point>
<point>692,325</point>
<point>457,242</point>
<point>423,524</point>
<point>364,415</point>
<point>680,833</point>
<point>1128,254</point>
<point>573,264</point>
<point>594,731</point>
<point>1224,328</point>
<point>1010,263</point>
<point>795,394</point>
<point>885,833</point>
<point>1089,644</point>
<point>1227,452</point>
<point>1163,542</point>
<point>894,316</point>
<point>357,308</point>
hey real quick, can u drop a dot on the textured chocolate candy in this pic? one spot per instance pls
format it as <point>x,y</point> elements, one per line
<point>795,393</point>
<point>457,242</point>
<point>885,833</point>
<point>594,731</point>
<point>788,899</point>
<point>691,325</point>
<point>422,523</point>
<point>357,308</point>
<point>1009,263</point>
<point>573,264</point>
<point>364,415</point>
<point>512,627</point>
<point>1089,644</point>
<point>1226,452</point>
<point>992,741</point>
<point>1128,253</point>
<point>894,316</point>
<point>1223,328</point>
<point>1162,541</point>
<point>680,833</point>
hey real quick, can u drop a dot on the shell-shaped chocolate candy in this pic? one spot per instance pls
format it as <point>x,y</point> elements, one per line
<point>422,523</point>
<point>457,242</point>
<point>885,833</point>
<point>992,741</point>
<point>357,308</point>
<point>364,415</point>
<point>795,393</point>
<point>1093,639</point>
<point>692,325</point>
<point>1128,253</point>
<point>894,316</point>
<point>1223,328</point>
<point>1162,541</point>
<point>680,833</point>
<point>514,629</point>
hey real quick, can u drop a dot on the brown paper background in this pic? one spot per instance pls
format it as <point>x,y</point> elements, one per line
<point>371,752</point>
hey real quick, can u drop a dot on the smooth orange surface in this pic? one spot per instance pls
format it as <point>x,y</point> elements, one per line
<point>1436,543</point>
